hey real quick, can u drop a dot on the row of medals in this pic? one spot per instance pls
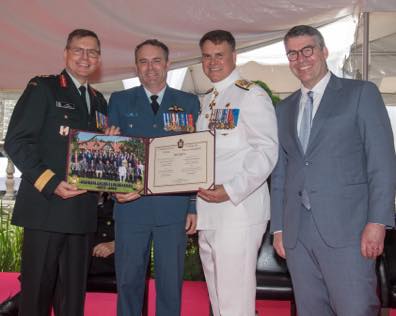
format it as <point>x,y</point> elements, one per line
<point>178,122</point>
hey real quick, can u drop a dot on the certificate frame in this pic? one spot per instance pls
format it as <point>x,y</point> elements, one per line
<point>159,165</point>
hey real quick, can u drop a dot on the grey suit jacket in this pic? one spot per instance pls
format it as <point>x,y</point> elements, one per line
<point>348,170</point>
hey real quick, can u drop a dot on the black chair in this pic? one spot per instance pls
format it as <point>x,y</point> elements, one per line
<point>273,279</point>
<point>386,272</point>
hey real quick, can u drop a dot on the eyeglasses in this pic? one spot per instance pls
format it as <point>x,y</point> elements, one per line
<point>78,51</point>
<point>306,51</point>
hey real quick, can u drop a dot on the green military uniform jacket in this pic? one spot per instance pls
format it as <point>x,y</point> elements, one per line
<point>37,143</point>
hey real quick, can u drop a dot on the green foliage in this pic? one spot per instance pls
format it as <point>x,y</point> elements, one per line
<point>10,242</point>
<point>192,262</point>
<point>275,99</point>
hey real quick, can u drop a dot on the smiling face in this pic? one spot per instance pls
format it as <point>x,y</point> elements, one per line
<point>82,65</point>
<point>218,60</point>
<point>310,70</point>
<point>152,67</point>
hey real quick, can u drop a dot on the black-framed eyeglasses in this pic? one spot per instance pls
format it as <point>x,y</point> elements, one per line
<point>306,51</point>
<point>79,51</point>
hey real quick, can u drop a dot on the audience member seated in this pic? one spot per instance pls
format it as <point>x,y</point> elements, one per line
<point>101,275</point>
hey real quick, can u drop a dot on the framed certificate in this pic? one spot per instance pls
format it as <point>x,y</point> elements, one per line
<point>162,165</point>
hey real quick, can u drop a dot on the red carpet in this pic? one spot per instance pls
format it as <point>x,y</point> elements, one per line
<point>195,300</point>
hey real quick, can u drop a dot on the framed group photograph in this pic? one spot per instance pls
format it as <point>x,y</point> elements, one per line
<point>161,165</point>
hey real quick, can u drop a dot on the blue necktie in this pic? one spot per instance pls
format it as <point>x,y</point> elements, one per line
<point>305,131</point>
<point>306,121</point>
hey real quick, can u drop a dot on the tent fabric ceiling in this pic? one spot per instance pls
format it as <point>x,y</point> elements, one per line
<point>33,33</point>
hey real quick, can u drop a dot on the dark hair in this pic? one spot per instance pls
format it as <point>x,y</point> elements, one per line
<point>153,42</point>
<point>79,33</point>
<point>217,37</point>
<point>304,30</point>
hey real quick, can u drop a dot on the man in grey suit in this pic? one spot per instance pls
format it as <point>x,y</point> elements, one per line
<point>334,185</point>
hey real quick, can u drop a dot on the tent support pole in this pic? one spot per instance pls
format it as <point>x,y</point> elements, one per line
<point>366,43</point>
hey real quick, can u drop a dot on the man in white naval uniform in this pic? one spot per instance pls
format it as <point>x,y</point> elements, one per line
<point>233,217</point>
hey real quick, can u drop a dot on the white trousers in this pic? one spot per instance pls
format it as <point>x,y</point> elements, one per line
<point>229,259</point>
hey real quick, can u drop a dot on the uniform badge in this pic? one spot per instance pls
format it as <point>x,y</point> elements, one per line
<point>64,130</point>
<point>175,108</point>
<point>65,105</point>
<point>63,81</point>
<point>101,120</point>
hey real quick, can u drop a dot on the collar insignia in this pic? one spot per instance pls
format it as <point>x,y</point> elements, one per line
<point>62,81</point>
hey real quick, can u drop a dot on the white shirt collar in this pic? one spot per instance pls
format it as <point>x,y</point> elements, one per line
<point>226,82</point>
<point>76,82</point>
<point>320,87</point>
<point>160,94</point>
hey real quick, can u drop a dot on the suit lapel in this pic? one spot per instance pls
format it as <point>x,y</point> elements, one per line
<point>325,109</point>
<point>293,116</point>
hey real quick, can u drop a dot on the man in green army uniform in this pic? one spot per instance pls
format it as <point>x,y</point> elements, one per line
<point>56,216</point>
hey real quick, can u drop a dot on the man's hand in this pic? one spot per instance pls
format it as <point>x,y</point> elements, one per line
<point>372,242</point>
<point>67,191</point>
<point>191,224</point>
<point>103,249</point>
<point>217,195</point>
<point>278,244</point>
<point>126,197</point>
<point>112,130</point>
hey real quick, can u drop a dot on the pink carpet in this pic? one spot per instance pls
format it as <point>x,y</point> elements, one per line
<point>195,300</point>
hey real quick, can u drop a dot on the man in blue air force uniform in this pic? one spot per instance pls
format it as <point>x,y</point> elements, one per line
<point>150,110</point>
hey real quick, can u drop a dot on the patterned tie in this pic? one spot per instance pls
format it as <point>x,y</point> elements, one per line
<point>154,103</point>
<point>84,97</point>
<point>306,122</point>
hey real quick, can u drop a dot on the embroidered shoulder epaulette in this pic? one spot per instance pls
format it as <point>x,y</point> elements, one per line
<point>46,76</point>
<point>35,81</point>
<point>209,91</point>
<point>244,84</point>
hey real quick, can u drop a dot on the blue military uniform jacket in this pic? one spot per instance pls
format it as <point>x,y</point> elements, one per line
<point>131,111</point>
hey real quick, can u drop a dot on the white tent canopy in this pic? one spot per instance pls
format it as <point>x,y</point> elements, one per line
<point>33,32</point>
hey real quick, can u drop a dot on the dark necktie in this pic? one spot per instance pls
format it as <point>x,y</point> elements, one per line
<point>154,103</point>
<point>84,97</point>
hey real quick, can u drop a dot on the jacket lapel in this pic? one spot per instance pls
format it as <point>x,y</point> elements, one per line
<point>325,109</point>
<point>293,116</point>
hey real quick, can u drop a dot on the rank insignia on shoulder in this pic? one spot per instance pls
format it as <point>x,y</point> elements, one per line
<point>175,108</point>
<point>244,84</point>
<point>32,83</point>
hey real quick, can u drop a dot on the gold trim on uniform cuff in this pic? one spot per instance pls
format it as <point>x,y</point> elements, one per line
<point>42,180</point>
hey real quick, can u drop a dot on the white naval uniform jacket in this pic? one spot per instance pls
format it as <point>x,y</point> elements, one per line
<point>245,156</point>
